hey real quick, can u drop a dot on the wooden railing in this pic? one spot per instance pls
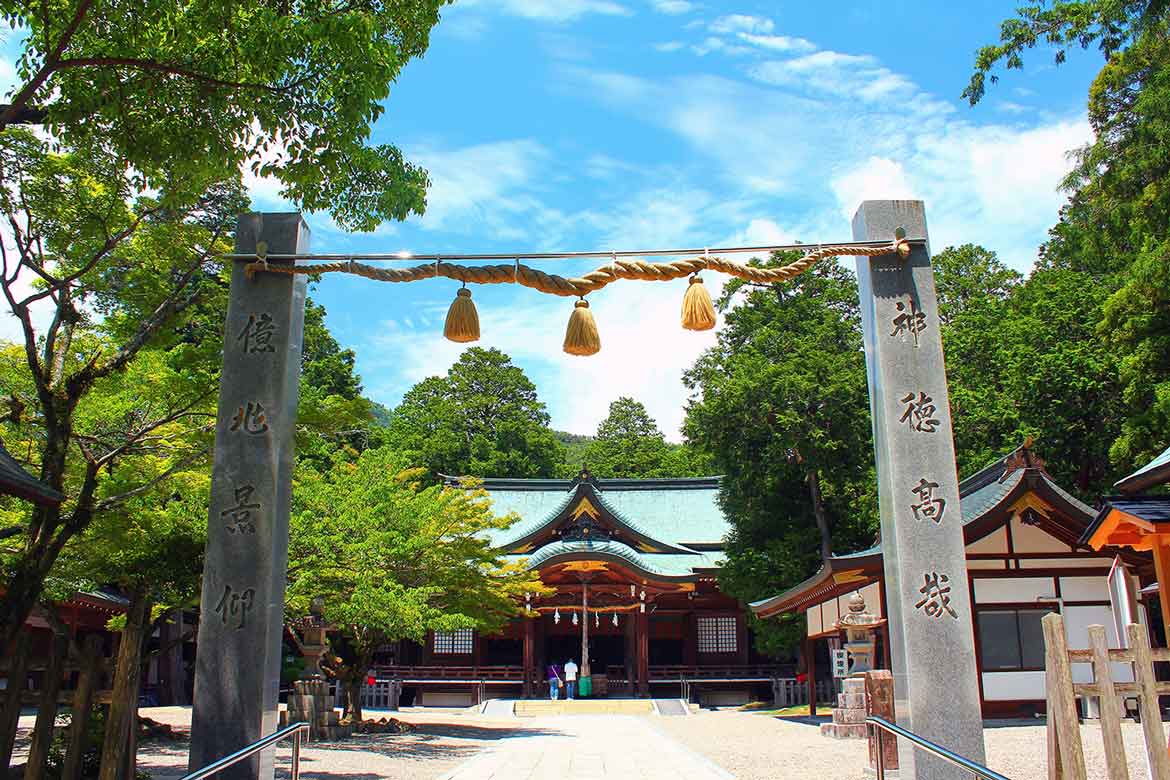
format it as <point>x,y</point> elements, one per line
<point>1066,759</point>
<point>441,673</point>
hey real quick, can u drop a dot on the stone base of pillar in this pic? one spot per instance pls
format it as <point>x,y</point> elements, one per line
<point>849,714</point>
<point>311,703</point>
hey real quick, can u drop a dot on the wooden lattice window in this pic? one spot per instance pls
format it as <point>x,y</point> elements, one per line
<point>716,634</point>
<point>457,642</point>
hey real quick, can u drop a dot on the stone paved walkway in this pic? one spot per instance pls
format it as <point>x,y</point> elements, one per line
<point>588,748</point>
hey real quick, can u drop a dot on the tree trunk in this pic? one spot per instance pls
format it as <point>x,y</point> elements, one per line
<point>353,699</point>
<point>124,697</point>
<point>91,660</point>
<point>42,737</point>
<point>814,489</point>
<point>9,719</point>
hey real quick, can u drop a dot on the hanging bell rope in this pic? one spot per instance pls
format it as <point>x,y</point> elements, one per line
<point>581,338</point>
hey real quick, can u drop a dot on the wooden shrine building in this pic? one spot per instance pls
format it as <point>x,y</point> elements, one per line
<point>633,564</point>
<point>1025,558</point>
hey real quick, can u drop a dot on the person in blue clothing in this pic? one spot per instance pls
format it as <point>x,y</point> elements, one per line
<point>555,681</point>
<point>570,679</point>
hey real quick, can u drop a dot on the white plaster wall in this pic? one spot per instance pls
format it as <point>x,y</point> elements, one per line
<point>1010,686</point>
<point>1030,539</point>
<point>1012,589</point>
<point>1084,589</point>
<point>994,542</point>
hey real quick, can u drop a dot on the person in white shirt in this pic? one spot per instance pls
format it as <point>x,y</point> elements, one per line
<point>570,678</point>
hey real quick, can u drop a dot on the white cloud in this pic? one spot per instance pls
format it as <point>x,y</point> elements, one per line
<point>486,189</point>
<point>850,75</point>
<point>741,23</point>
<point>783,43</point>
<point>672,7</point>
<point>552,10</point>
<point>669,46</point>
<point>992,185</point>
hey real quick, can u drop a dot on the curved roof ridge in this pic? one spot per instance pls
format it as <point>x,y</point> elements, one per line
<point>521,530</point>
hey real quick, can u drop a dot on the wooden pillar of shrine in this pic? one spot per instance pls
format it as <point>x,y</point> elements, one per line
<point>529,655</point>
<point>642,642</point>
<point>690,639</point>
<point>810,668</point>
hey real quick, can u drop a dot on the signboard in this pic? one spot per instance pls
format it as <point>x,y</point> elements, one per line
<point>1122,599</point>
<point>840,663</point>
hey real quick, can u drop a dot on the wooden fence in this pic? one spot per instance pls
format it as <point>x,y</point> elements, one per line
<point>1066,759</point>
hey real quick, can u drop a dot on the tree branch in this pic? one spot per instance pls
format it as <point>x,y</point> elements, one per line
<point>21,99</point>
<point>171,69</point>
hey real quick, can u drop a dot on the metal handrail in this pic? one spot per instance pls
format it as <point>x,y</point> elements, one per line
<point>296,729</point>
<point>881,724</point>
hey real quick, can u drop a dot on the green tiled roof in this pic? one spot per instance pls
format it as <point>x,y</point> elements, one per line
<point>674,513</point>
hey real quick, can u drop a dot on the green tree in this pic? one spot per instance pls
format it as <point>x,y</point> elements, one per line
<point>186,94</point>
<point>968,277</point>
<point>1115,226</point>
<point>482,419</point>
<point>629,445</point>
<point>782,409</point>
<point>393,560</point>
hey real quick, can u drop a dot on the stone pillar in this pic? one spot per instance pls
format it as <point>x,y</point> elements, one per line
<point>936,689</point>
<point>237,668</point>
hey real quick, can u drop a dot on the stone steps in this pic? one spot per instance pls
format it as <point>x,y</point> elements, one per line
<point>535,708</point>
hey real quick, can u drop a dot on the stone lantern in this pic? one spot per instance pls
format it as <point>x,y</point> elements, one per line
<point>310,700</point>
<point>860,629</point>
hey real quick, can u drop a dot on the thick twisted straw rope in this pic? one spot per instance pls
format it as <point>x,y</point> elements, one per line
<point>594,280</point>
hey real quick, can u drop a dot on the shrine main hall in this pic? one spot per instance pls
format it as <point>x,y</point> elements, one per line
<point>632,564</point>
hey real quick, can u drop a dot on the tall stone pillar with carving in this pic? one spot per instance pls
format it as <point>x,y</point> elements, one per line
<point>237,667</point>
<point>935,685</point>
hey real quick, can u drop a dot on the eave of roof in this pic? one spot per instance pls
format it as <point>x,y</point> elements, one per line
<point>15,481</point>
<point>988,493</point>
<point>1151,513</point>
<point>1156,472</point>
<point>646,564</point>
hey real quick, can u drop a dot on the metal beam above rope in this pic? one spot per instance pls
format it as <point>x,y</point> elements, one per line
<point>581,338</point>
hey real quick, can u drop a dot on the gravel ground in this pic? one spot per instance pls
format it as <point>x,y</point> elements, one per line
<point>760,747</point>
<point>751,746</point>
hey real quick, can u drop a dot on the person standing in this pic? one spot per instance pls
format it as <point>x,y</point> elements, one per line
<point>554,682</point>
<point>570,679</point>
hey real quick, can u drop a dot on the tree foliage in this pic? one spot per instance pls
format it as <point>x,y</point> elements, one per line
<point>782,409</point>
<point>629,445</point>
<point>482,419</point>
<point>394,559</point>
<point>185,94</point>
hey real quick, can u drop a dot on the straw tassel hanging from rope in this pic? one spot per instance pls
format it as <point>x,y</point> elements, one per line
<point>462,323</point>
<point>581,337</point>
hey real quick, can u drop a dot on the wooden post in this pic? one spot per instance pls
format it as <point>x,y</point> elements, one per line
<point>1161,551</point>
<point>1143,669</point>
<point>1064,729</point>
<point>17,674</point>
<point>810,669</point>
<point>121,721</point>
<point>42,735</point>
<point>91,659</point>
<point>529,660</point>
<point>1110,706</point>
<point>643,643</point>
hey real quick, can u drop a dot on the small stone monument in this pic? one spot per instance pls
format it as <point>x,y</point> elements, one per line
<point>310,700</point>
<point>859,627</point>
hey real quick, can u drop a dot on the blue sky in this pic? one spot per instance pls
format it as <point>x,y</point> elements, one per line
<point>596,124</point>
